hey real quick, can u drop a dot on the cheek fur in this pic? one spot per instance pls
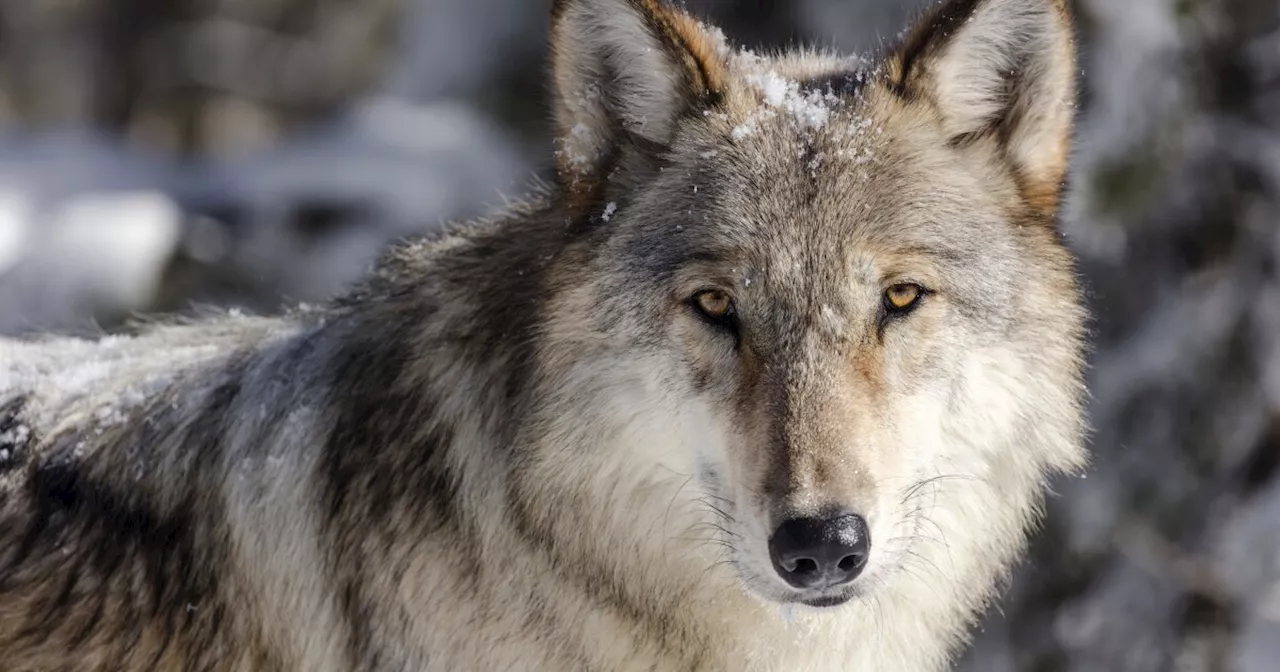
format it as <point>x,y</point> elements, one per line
<point>708,358</point>
<point>911,347</point>
<point>987,400</point>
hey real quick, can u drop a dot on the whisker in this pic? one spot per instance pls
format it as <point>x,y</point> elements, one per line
<point>916,487</point>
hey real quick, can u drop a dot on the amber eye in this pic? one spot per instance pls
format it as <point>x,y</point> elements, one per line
<point>902,297</point>
<point>714,305</point>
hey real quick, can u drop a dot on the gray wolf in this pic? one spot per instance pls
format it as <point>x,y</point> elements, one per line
<point>772,378</point>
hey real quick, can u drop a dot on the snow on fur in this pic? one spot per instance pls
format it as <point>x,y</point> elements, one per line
<point>807,111</point>
<point>98,383</point>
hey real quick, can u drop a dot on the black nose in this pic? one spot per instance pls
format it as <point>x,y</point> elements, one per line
<point>820,552</point>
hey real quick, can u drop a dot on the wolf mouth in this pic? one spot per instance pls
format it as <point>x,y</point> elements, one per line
<point>827,601</point>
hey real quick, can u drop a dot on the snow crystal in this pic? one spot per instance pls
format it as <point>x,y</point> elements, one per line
<point>609,209</point>
<point>722,48</point>
<point>113,414</point>
<point>746,59</point>
<point>773,87</point>
<point>578,145</point>
<point>14,436</point>
<point>858,128</point>
<point>108,416</point>
<point>576,157</point>
<point>816,162</point>
<point>810,110</point>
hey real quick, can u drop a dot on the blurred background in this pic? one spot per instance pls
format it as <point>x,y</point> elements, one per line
<point>159,154</point>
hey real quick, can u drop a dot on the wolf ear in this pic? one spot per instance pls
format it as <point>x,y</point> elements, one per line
<point>1002,68</point>
<point>626,68</point>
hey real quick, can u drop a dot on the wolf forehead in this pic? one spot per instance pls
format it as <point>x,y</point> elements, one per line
<point>808,168</point>
<point>841,203</point>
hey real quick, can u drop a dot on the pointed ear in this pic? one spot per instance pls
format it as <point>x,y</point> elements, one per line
<point>626,69</point>
<point>1001,68</point>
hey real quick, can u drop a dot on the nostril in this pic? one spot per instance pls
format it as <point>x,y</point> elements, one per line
<point>806,566</point>
<point>851,562</point>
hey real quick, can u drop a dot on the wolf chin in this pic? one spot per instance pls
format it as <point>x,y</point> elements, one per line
<point>772,378</point>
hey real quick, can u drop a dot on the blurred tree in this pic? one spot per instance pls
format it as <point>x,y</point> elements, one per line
<point>1149,564</point>
<point>190,76</point>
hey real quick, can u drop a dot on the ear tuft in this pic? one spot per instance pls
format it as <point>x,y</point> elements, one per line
<point>1004,68</point>
<point>626,68</point>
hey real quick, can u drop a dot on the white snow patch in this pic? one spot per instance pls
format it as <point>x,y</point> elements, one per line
<point>773,87</point>
<point>115,413</point>
<point>808,110</point>
<point>609,209</point>
<point>14,436</point>
<point>723,50</point>
<point>580,145</point>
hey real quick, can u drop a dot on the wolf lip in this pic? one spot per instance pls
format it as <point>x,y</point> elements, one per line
<point>826,601</point>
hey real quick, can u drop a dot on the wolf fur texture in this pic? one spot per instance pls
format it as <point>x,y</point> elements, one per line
<point>773,379</point>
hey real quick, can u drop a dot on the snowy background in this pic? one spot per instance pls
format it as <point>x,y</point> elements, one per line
<point>156,154</point>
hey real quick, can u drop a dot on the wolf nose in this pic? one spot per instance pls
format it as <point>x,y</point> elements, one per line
<point>820,552</point>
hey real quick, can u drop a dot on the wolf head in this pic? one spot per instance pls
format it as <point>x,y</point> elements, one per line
<point>829,291</point>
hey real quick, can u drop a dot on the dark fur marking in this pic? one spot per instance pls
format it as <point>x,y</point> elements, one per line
<point>542,618</point>
<point>781,407</point>
<point>15,436</point>
<point>600,584</point>
<point>699,84</point>
<point>847,83</point>
<point>120,536</point>
<point>358,612</point>
<point>965,140</point>
<point>505,331</point>
<point>932,33</point>
<point>402,493</point>
<point>513,301</point>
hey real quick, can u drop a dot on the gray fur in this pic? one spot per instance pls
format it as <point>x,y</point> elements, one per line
<point>519,447</point>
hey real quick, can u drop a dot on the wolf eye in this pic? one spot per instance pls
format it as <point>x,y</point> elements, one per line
<point>715,306</point>
<point>902,297</point>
